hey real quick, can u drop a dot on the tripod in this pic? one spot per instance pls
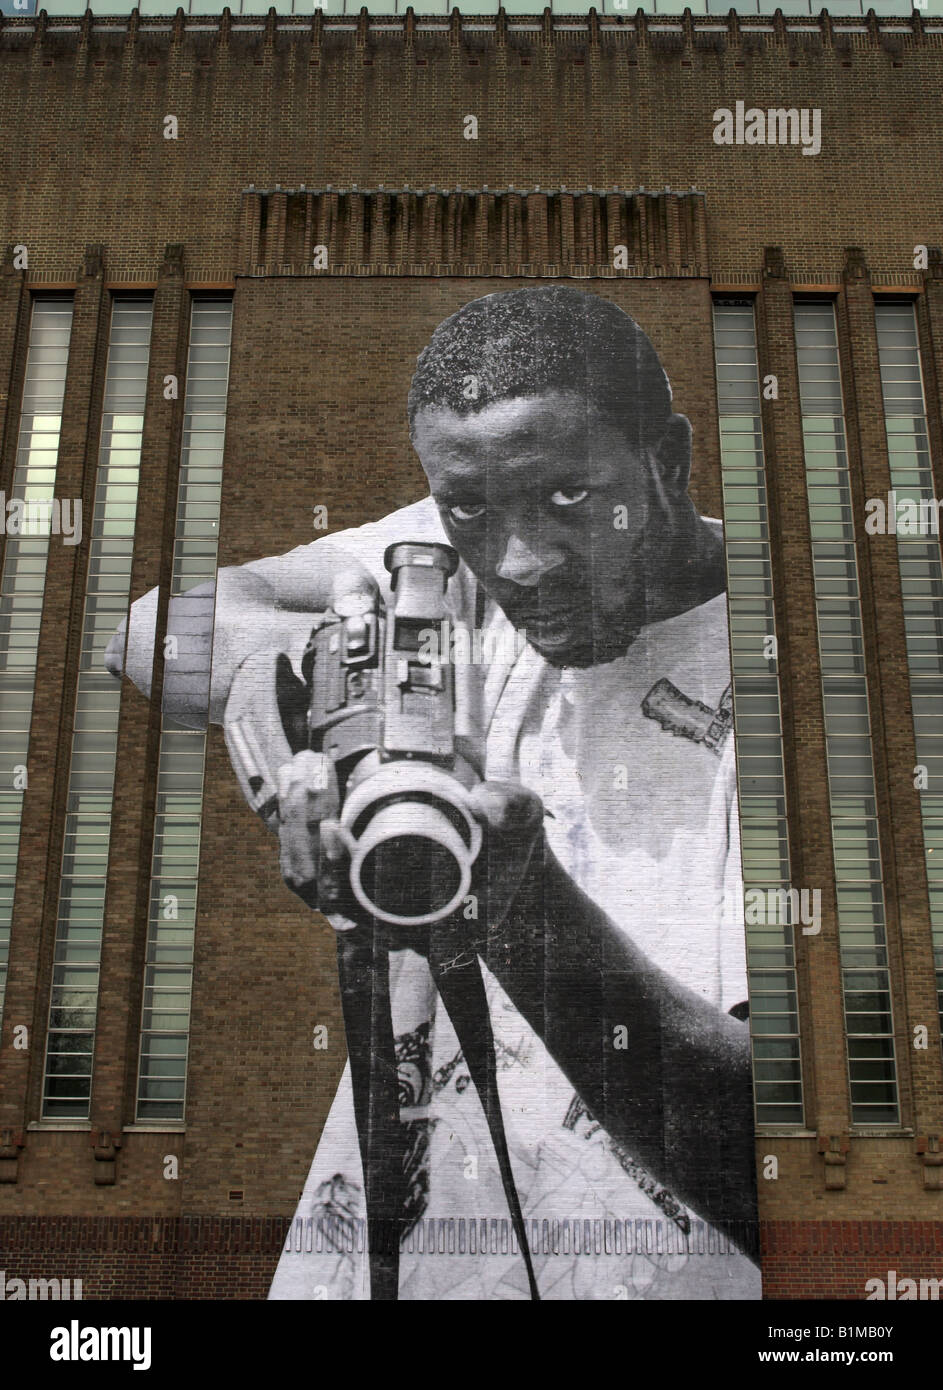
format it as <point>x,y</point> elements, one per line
<point>364,969</point>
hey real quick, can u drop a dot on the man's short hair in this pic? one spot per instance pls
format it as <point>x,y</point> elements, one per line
<point>529,342</point>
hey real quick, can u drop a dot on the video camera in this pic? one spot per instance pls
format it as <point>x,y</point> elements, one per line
<point>380,700</point>
<point>384,710</point>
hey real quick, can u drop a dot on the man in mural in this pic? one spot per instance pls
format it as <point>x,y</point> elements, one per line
<point>613,935</point>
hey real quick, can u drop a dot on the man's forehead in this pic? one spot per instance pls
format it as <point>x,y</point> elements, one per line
<point>518,430</point>
<point>510,416</point>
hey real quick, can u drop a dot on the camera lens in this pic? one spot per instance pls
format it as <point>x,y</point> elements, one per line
<point>413,843</point>
<point>410,876</point>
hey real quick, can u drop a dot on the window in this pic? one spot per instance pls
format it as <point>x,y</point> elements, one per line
<point>872,1070</point>
<point>921,579</point>
<point>774,1018</point>
<point>168,971</point>
<point>73,1005</point>
<point>23,579</point>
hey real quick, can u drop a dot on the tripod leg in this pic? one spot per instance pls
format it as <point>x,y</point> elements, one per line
<point>364,969</point>
<point>457,975</point>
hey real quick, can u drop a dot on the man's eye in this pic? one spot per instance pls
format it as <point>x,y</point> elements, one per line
<point>569,496</point>
<point>467,511</point>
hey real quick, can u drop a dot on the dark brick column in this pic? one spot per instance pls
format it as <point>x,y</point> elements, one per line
<point>930,320</point>
<point>126,907</point>
<point>820,987</point>
<point>14,336</point>
<point>910,950</point>
<point>40,856</point>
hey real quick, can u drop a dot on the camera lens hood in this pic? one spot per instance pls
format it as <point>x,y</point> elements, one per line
<point>412,839</point>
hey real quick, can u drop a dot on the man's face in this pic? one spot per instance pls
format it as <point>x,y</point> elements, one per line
<point>551,510</point>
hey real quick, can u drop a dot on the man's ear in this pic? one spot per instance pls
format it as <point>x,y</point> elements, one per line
<point>673,454</point>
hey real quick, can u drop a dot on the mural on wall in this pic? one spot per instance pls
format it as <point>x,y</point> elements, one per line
<point>499,758</point>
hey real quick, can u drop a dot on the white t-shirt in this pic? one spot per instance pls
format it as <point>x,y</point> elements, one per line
<point>645,822</point>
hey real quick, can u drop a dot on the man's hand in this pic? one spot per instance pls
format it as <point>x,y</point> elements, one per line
<point>307,797</point>
<point>512,821</point>
<point>314,857</point>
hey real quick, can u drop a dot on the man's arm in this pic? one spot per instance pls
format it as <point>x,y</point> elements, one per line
<point>257,605</point>
<point>675,1087</point>
<point>217,625</point>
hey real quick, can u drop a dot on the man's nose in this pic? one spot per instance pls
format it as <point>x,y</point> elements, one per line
<point>525,564</point>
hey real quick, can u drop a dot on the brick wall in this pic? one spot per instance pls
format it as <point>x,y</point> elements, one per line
<point>611,105</point>
<point>321,364</point>
<point>146,1257</point>
<point>835,1259</point>
<point>235,1258</point>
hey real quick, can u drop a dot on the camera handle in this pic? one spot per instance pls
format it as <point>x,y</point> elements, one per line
<point>364,971</point>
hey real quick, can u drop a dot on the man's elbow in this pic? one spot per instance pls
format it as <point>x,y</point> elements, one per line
<point>130,651</point>
<point>114,652</point>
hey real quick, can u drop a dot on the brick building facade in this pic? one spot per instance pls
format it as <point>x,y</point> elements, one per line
<point>592,133</point>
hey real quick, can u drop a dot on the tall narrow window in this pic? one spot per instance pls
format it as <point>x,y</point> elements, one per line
<point>855,846</point>
<point>770,916</point>
<point>168,971</point>
<point>70,1042</point>
<point>23,579</point>
<point>921,579</point>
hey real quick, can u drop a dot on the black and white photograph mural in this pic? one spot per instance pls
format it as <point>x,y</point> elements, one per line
<point>499,759</point>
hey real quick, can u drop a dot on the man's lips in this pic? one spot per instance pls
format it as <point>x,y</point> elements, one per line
<point>537,614</point>
<point>547,626</point>
<point>544,617</point>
